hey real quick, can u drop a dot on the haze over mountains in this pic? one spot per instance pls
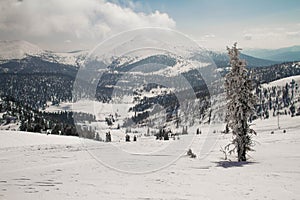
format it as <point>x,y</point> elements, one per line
<point>283,54</point>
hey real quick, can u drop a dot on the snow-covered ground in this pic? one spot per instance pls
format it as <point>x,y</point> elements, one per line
<point>282,82</point>
<point>99,109</point>
<point>39,166</point>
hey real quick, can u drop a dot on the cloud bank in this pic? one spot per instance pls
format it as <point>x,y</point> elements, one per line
<point>80,22</point>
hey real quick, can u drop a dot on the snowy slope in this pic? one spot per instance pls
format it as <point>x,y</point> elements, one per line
<point>96,108</point>
<point>18,49</point>
<point>40,167</point>
<point>75,58</point>
<point>17,139</point>
<point>282,82</point>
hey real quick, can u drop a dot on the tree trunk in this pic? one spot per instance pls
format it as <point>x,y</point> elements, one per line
<point>242,152</point>
<point>243,142</point>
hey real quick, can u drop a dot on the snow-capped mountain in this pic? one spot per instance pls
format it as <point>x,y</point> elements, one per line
<point>18,49</point>
<point>74,58</point>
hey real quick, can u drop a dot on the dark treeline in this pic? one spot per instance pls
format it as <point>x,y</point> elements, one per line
<point>35,90</point>
<point>31,120</point>
<point>278,100</point>
<point>278,71</point>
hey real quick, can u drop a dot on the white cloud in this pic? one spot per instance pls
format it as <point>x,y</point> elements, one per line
<point>210,36</point>
<point>206,38</point>
<point>293,34</point>
<point>247,37</point>
<point>82,20</point>
<point>67,41</point>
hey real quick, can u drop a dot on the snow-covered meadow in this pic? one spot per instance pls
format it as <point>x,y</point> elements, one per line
<point>39,166</point>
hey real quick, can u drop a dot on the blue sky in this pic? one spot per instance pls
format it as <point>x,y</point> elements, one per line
<point>206,12</point>
<point>80,24</point>
<point>255,23</point>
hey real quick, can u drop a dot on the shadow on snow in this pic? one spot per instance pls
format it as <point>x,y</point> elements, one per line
<point>229,164</point>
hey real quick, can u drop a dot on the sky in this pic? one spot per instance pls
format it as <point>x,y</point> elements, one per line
<point>214,24</point>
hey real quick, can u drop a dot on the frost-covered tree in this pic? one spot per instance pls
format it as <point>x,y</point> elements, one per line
<point>240,103</point>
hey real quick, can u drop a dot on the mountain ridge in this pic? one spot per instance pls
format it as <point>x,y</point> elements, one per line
<point>19,49</point>
<point>284,54</point>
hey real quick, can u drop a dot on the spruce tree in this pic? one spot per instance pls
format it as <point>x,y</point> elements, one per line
<point>240,103</point>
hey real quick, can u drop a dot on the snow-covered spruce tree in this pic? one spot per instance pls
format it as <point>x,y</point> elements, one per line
<point>240,104</point>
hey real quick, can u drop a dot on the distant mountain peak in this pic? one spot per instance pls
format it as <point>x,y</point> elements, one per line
<point>17,49</point>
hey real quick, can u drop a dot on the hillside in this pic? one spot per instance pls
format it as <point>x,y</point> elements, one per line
<point>284,81</point>
<point>222,60</point>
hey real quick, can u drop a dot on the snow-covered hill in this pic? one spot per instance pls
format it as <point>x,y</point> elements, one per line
<point>75,58</point>
<point>282,82</point>
<point>18,49</point>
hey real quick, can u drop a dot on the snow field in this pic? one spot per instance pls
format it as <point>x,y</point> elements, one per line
<point>37,166</point>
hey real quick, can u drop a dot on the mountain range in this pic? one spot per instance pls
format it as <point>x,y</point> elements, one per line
<point>20,50</point>
<point>35,77</point>
<point>286,54</point>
